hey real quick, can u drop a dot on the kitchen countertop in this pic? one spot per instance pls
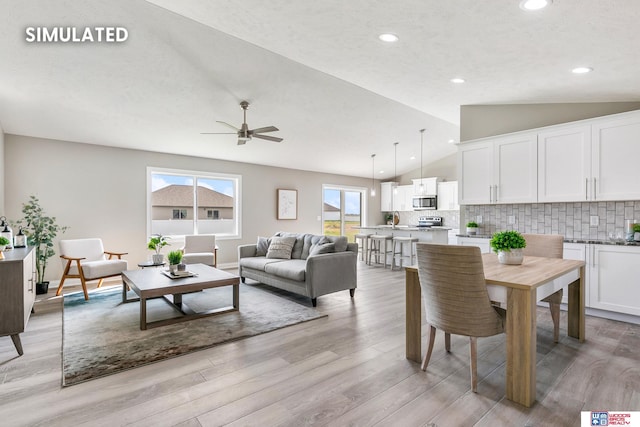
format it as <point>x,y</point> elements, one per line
<point>403,228</point>
<point>586,241</point>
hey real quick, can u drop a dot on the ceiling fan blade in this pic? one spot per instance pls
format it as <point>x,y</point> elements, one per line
<point>268,138</point>
<point>228,125</point>
<point>265,129</point>
<point>218,133</point>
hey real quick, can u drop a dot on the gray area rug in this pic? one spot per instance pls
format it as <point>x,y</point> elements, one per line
<point>102,336</point>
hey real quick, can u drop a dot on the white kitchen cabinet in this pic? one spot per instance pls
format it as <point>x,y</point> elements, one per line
<point>613,282</point>
<point>615,150</point>
<point>577,251</point>
<point>590,161</point>
<point>448,196</point>
<point>480,242</point>
<point>499,170</point>
<point>386,194</point>
<point>430,186</point>
<point>564,164</point>
<point>403,198</point>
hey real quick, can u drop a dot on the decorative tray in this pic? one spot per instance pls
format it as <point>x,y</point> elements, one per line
<point>178,274</point>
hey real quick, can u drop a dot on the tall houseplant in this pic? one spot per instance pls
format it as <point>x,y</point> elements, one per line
<point>40,230</point>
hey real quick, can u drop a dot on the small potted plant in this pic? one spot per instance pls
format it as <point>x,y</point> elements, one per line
<point>508,245</point>
<point>388,218</point>
<point>472,227</point>
<point>3,245</point>
<point>636,232</point>
<point>175,257</point>
<point>156,243</point>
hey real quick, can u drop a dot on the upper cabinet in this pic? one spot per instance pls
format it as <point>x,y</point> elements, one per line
<point>448,196</point>
<point>429,185</point>
<point>403,198</point>
<point>589,160</point>
<point>386,196</point>
<point>499,170</point>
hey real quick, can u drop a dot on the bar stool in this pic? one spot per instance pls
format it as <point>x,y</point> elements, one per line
<point>364,245</point>
<point>399,243</point>
<point>375,248</point>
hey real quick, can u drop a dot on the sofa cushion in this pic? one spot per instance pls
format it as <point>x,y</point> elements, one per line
<point>257,263</point>
<point>292,269</point>
<point>340,241</point>
<point>281,247</point>
<point>298,247</point>
<point>309,241</point>
<point>199,258</point>
<point>98,269</point>
<point>323,248</point>
<point>262,247</point>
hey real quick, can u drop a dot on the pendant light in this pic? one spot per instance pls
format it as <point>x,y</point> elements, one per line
<point>421,157</point>
<point>373,172</point>
<point>395,167</point>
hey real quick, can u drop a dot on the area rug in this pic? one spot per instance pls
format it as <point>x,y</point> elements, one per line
<point>102,336</point>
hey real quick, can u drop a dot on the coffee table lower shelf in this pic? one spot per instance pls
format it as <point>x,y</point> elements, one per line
<point>151,283</point>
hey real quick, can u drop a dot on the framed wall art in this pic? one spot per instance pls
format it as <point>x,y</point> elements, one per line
<point>287,204</point>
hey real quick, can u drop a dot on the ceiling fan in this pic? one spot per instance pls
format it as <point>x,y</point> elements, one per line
<point>244,133</point>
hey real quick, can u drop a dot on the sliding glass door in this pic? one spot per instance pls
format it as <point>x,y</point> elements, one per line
<point>342,211</point>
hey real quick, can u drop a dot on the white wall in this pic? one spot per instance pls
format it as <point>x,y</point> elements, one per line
<point>100,191</point>
<point>445,169</point>
<point>1,171</point>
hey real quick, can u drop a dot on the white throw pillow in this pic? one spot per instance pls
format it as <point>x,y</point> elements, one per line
<point>281,247</point>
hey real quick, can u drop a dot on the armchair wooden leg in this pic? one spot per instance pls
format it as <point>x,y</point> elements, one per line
<point>427,356</point>
<point>473,356</point>
<point>100,282</point>
<point>64,276</point>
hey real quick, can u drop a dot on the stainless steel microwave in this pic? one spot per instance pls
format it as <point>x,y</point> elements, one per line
<point>425,203</point>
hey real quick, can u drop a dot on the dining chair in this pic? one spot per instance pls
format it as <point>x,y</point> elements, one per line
<point>550,246</point>
<point>200,248</point>
<point>456,299</point>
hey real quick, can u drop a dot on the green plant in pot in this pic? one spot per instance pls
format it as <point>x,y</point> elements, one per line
<point>175,258</point>
<point>508,245</point>
<point>636,232</point>
<point>41,230</point>
<point>3,243</point>
<point>156,243</point>
<point>472,227</point>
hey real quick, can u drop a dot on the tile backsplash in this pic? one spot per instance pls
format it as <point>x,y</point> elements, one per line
<point>573,220</point>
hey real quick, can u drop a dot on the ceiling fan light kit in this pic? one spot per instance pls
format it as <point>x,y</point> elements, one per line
<point>244,133</point>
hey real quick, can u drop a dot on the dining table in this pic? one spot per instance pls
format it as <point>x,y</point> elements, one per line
<point>516,288</point>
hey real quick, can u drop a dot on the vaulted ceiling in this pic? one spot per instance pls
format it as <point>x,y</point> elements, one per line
<point>314,69</point>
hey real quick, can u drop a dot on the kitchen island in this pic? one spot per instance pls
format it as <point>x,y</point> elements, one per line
<point>423,234</point>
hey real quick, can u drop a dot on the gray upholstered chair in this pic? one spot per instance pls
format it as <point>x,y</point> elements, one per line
<point>550,246</point>
<point>86,259</point>
<point>456,299</point>
<point>200,248</point>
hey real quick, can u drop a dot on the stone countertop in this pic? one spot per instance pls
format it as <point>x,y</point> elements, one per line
<point>586,241</point>
<point>403,228</point>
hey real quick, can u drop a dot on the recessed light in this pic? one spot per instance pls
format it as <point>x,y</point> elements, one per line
<point>451,141</point>
<point>457,80</point>
<point>582,70</point>
<point>388,37</point>
<point>534,4</point>
<point>412,158</point>
<point>381,172</point>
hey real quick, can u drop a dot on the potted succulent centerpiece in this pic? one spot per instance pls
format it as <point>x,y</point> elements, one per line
<point>41,230</point>
<point>175,258</point>
<point>508,245</point>
<point>472,227</point>
<point>156,243</point>
<point>636,232</point>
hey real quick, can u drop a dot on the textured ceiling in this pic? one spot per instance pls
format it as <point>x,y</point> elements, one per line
<point>315,69</point>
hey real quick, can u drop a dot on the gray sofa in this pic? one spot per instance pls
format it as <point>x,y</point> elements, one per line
<point>316,265</point>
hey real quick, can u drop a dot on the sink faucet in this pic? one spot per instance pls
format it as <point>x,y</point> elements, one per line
<point>396,214</point>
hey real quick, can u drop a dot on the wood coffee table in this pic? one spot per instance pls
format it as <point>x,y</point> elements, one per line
<point>152,283</point>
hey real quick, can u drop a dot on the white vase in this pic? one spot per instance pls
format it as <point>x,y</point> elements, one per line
<point>158,258</point>
<point>472,230</point>
<point>173,268</point>
<point>512,257</point>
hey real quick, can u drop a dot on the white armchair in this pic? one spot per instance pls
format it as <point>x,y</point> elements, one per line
<point>86,259</point>
<point>200,248</point>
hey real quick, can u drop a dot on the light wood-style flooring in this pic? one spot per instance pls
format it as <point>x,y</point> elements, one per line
<point>347,369</point>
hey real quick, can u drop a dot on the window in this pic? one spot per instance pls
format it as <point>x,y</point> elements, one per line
<point>188,202</point>
<point>179,214</point>
<point>342,210</point>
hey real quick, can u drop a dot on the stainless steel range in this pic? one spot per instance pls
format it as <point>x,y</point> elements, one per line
<point>429,221</point>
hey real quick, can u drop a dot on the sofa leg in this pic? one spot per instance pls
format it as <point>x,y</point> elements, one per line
<point>352,292</point>
<point>314,302</point>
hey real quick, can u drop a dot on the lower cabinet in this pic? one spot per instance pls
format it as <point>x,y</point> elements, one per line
<point>614,282</point>
<point>480,242</point>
